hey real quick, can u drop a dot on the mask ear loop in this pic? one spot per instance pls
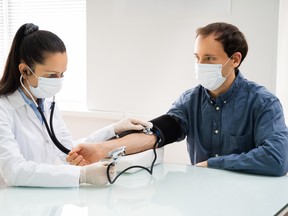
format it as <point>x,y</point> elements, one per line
<point>21,81</point>
<point>225,64</point>
<point>32,72</point>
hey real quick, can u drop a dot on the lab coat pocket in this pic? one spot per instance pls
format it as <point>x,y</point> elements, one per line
<point>237,144</point>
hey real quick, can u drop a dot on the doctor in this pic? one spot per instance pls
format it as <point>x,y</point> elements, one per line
<point>34,71</point>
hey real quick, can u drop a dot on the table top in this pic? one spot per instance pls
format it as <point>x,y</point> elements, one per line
<point>171,190</point>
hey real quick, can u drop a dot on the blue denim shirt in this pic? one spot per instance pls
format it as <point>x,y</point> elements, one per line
<point>243,129</point>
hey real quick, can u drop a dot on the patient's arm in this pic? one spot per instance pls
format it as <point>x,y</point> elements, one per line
<point>92,153</point>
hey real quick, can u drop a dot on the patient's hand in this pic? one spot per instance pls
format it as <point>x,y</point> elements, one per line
<point>202,164</point>
<point>75,159</point>
<point>84,154</point>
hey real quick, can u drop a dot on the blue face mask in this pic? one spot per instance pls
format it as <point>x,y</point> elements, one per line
<point>210,75</point>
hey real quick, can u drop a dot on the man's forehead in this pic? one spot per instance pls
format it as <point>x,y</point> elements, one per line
<point>208,45</point>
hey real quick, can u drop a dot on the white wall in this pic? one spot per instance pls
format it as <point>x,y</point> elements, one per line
<point>282,61</point>
<point>140,52</point>
<point>140,55</point>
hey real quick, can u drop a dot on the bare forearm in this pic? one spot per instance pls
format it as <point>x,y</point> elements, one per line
<point>91,153</point>
<point>134,143</point>
<point>138,142</point>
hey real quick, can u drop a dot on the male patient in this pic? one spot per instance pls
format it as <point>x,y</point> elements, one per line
<point>229,122</point>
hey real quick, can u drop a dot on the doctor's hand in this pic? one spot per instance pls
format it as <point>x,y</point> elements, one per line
<point>95,173</point>
<point>131,124</point>
<point>85,153</point>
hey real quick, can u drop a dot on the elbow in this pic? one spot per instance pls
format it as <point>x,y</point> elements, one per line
<point>12,178</point>
<point>10,181</point>
<point>276,163</point>
<point>279,173</point>
<point>279,169</point>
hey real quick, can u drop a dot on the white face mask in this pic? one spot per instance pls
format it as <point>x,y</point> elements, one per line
<point>210,75</point>
<point>47,87</point>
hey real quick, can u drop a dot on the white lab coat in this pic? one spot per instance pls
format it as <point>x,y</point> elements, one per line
<point>28,157</point>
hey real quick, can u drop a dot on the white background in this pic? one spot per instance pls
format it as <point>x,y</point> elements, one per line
<point>140,52</point>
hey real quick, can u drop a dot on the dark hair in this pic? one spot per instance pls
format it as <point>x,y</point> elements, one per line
<point>30,46</point>
<point>229,35</point>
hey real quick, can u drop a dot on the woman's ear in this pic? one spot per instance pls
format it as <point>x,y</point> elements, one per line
<point>236,59</point>
<point>24,70</point>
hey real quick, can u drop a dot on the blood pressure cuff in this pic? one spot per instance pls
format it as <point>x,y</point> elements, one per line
<point>167,129</point>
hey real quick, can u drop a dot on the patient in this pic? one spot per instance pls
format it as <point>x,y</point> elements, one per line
<point>228,121</point>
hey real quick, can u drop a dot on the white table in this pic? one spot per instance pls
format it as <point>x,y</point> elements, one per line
<point>172,190</point>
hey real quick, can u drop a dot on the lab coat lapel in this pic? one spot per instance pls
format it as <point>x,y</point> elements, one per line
<point>17,101</point>
<point>31,114</point>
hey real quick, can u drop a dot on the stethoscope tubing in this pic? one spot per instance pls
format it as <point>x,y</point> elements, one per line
<point>50,129</point>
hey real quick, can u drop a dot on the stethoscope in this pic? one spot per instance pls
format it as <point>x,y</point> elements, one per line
<point>50,129</point>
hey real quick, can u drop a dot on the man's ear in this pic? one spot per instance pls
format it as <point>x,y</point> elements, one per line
<point>236,59</point>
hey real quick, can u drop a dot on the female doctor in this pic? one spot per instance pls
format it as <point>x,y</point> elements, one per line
<point>34,72</point>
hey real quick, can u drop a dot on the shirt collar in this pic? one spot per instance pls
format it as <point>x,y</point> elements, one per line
<point>224,98</point>
<point>30,102</point>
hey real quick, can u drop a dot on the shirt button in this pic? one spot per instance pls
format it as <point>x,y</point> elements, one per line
<point>217,108</point>
<point>216,131</point>
<point>225,102</point>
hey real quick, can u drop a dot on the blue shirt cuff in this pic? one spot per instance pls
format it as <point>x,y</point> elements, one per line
<point>214,162</point>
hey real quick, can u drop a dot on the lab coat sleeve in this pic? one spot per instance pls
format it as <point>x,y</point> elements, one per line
<point>17,171</point>
<point>98,136</point>
<point>29,173</point>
